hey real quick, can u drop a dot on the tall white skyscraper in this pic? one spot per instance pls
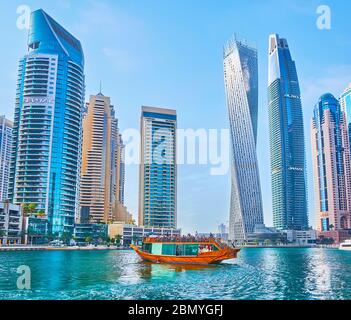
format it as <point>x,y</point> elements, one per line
<point>241,84</point>
<point>5,155</point>
<point>158,168</point>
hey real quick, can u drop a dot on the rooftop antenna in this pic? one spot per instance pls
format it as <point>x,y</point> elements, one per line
<point>100,87</point>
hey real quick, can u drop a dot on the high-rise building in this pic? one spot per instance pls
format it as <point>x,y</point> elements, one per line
<point>331,165</point>
<point>241,84</point>
<point>345,101</point>
<point>5,154</point>
<point>287,141</point>
<point>45,160</point>
<point>122,169</point>
<point>158,168</point>
<point>102,170</point>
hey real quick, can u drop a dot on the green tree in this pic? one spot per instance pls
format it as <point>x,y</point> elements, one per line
<point>118,239</point>
<point>32,207</point>
<point>29,208</point>
<point>66,237</point>
<point>41,213</point>
<point>88,239</point>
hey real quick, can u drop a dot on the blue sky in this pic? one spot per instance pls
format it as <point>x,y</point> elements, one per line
<point>169,53</point>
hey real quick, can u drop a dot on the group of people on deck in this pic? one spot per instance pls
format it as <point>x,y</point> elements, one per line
<point>187,238</point>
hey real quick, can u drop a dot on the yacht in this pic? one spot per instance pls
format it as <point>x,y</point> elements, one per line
<point>346,245</point>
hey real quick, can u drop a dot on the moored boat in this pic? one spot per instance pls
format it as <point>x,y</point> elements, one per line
<point>346,245</point>
<point>190,251</point>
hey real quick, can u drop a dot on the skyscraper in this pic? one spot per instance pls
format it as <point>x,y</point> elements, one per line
<point>5,154</point>
<point>241,85</point>
<point>345,101</point>
<point>45,160</point>
<point>287,141</point>
<point>158,169</point>
<point>101,185</point>
<point>331,165</point>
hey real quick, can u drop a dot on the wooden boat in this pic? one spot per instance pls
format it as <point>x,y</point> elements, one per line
<point>202,252</point>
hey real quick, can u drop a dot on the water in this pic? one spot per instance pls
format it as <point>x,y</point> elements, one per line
<point>256,274</point>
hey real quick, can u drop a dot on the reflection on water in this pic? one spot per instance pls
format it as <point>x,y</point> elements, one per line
<point>256,274</point>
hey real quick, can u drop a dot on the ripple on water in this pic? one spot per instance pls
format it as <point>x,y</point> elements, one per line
<point>256,274</point>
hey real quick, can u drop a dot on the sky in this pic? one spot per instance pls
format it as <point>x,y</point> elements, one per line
<point>170,54</point>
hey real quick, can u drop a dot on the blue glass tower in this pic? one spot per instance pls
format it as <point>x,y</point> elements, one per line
<point>287,141</point>
<point>45,160</point>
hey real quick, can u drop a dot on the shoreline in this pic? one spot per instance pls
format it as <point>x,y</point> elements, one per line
<point>292,247</point>
<point>105,248</point>
<point>66,248</point>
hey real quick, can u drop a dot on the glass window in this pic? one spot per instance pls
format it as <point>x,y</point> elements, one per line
<point>147,247</point>
<point>169,249</point>
<point>156,248</point>
<point>191,249</point>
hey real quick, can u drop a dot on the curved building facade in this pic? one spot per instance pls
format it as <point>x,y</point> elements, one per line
<point>287,141</point>
<point>241,84</point>
<point>45,160</point>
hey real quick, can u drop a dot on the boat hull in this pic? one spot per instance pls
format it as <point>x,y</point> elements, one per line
<point>201,259</point>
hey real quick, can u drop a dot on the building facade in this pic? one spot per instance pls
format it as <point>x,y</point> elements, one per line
<point>102,174</point>
<point>331,165</point>
<point>90,233</point>
<point>45,159</point>
<point>241,84</point>
<point>5,155</point>
<point>287,141</point>
<point>301,237</point>
<point>11,219</point>
<point>35,230</point>
<point>131,233</point>
<point>158,169</point>
<point>345,101</point>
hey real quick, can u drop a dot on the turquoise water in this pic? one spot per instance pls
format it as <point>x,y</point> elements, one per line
<point>256,274</point>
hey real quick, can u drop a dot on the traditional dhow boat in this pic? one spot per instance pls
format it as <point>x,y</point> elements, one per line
<point>185,251</point>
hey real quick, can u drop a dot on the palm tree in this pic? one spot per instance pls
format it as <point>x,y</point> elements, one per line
<point>32,207</point>
<point>118,239</point>
<point>29,208</point>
